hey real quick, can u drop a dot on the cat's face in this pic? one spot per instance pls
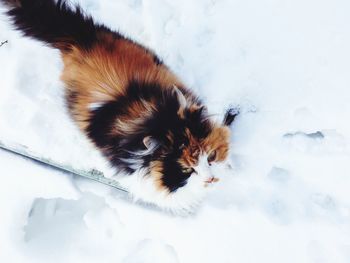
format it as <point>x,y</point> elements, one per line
<point>200,154</point>
<point>189,156</point>
<point>191,144</point>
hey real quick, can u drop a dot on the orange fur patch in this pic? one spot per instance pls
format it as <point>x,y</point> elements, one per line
<point>218,140</point>
<point>191,152</point>
<point>156,172</point>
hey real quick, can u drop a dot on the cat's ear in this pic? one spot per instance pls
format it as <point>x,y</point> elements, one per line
<point>230,116</point>
<point>180,97</point>
<point>150,143</point>
<point>198,112</point>
<point>201,110</point>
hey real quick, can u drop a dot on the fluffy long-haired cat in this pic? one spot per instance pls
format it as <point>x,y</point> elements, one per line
<point>144,120</point>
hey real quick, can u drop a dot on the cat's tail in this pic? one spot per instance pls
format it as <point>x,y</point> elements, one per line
<point>54,22</point>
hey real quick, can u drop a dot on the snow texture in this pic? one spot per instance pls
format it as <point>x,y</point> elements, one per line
<point>286,63</point>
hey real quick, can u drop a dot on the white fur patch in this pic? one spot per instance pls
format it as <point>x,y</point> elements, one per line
<point>135,164</point>
<point>203,168</point>
<point>95,105</point>
<point>184,200</point>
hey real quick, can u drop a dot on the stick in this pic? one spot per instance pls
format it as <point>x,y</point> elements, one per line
<point>3,43</point>
<point>95,175</point>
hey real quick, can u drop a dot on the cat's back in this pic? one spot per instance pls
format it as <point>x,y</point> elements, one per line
<point>104,72</point>
<point>111,64</point>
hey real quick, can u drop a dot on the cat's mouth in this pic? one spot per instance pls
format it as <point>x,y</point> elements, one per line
<point>211,180</point>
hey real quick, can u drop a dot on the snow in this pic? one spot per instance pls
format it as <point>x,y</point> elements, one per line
<point>287,199</point>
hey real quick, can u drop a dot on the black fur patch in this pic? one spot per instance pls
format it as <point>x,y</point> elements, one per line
<point>173,176</point>
<point>157,60</point>
<point>101,122</point>
<point>99,130</point>
<point>198,123</point>
<point>230,116</point>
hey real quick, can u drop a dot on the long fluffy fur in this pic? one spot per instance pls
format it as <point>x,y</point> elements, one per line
<point>54,23</point>
<point>129,104</point>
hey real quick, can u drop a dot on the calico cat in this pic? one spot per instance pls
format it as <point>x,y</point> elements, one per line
<point>152,129</point>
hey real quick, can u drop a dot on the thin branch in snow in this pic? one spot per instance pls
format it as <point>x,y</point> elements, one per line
<point>3,43</point>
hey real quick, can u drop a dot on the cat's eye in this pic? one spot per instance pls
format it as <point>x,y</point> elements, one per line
<point>189,170</point>
<point>212,157</point>
<point>182,146</point>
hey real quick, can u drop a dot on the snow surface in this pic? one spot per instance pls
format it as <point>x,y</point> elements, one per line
<point>285,62</point>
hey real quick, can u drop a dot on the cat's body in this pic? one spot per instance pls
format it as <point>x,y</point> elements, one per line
<point>143,119</point>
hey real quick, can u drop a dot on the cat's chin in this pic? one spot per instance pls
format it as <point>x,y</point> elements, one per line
<point>185,200</point>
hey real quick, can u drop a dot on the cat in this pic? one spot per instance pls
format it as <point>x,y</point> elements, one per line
<point>151,128</point>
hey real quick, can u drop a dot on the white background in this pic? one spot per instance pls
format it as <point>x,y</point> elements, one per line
<point>285,62</point>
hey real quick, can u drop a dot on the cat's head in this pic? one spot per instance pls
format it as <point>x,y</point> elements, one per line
<point>186,143</point>
<point>164,140</point>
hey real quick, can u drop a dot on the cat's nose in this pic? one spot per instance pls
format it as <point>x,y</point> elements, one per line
<point>210,180</point>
